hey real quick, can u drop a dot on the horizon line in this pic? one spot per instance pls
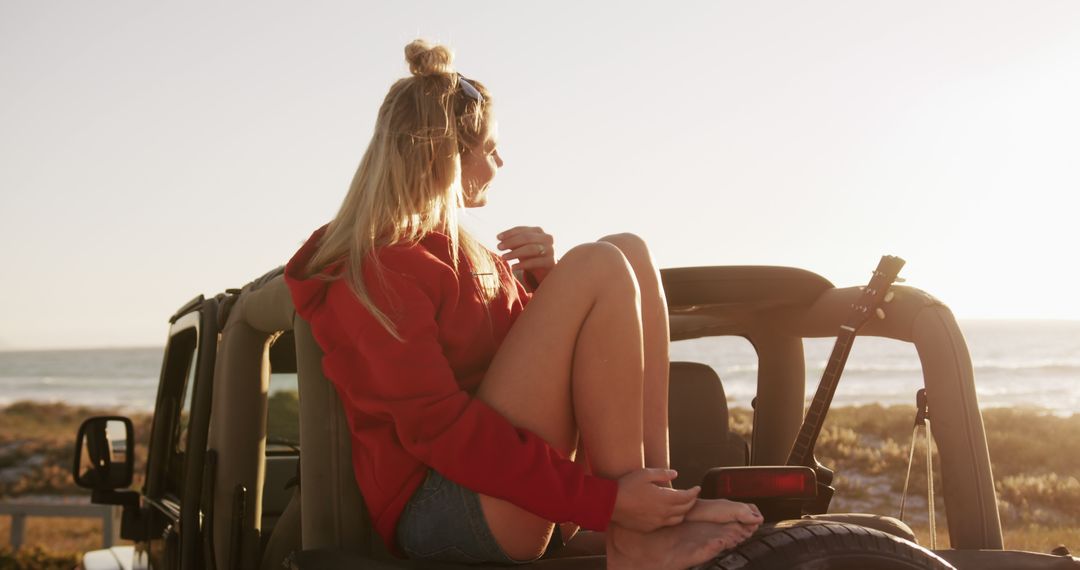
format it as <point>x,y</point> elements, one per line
<point>80,348</point>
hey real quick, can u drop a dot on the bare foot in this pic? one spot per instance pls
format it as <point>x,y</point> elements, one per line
<point>671,548</point>
<point>723,510</point>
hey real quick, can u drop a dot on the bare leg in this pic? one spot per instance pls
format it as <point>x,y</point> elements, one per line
<point>571,356</point>
<point>567,366</point>
<point>656,339</point>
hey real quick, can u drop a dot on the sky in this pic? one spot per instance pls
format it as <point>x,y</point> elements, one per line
<point>150,152</point>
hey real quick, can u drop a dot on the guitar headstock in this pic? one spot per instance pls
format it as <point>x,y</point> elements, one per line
<point>875,292</point>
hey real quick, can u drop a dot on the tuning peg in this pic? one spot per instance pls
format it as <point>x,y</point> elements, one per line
<point>901,280</point>
<point>889,296</point>
<point>880,313</point>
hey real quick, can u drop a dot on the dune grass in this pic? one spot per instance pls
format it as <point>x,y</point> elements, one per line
<point>1035,470</point>
<point>37,446</point>
<point>37,558</point>
<point>50,542</point>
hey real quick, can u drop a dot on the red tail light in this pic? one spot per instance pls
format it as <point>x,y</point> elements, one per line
<point>760,482</point>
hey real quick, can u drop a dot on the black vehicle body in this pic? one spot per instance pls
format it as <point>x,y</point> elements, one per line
<point>233,482</point>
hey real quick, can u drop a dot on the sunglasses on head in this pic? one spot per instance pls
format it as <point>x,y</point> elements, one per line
<point>470,91</point>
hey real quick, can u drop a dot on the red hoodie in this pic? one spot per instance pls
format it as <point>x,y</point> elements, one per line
<point>409,402</point>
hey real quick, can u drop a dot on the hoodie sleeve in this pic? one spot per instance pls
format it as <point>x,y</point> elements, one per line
<point>411,384</point>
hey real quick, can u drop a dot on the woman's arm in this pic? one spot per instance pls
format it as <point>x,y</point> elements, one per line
<point>411,384</point>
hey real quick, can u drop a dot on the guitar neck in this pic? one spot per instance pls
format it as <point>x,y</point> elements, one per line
<point>869,303</point>
<point>802,453</point>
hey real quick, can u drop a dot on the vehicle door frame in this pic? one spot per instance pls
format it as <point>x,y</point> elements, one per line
<point>170,517</point>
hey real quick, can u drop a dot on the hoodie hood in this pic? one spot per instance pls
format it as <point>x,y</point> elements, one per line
<point>307,293</point>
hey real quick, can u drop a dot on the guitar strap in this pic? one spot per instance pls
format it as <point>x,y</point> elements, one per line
<point>922,419</point>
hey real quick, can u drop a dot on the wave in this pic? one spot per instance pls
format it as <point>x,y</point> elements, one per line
<point>85,382</point>
<point>1055,366</point>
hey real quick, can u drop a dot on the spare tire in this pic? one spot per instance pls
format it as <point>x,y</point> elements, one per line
<point>823,545</point>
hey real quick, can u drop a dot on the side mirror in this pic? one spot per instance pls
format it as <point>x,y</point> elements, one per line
<point>104,453</point>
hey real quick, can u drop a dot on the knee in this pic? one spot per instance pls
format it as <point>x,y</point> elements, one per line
<point>632,246</point>
<point>600,262</point>
<point>603,256</point>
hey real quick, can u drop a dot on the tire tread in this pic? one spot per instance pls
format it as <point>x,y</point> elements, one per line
<point>793,543</point>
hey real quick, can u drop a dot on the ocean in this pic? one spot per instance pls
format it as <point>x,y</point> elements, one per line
<point>1033,364</point>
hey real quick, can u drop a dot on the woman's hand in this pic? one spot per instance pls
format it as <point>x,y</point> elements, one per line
<point>644,505</point>
<point>532,247</point>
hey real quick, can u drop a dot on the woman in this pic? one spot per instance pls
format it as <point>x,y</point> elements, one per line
<point>471,400</point>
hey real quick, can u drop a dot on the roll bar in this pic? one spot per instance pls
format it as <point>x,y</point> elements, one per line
<point>776,307</point>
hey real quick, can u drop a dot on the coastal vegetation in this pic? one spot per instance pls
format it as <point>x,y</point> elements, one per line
<point>1035,473</point>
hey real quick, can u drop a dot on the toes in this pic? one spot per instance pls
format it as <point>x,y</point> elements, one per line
<point>749,514</point>
<point>708,550</point>
<point>727,543</point>
<point>719,544</point>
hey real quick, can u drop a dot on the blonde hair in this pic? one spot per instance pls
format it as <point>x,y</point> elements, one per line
<point>408,183</point>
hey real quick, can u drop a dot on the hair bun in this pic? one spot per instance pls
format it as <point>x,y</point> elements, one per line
<point>426,59</point>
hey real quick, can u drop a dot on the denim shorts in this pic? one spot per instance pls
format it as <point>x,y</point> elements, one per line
<point>443,522</point>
